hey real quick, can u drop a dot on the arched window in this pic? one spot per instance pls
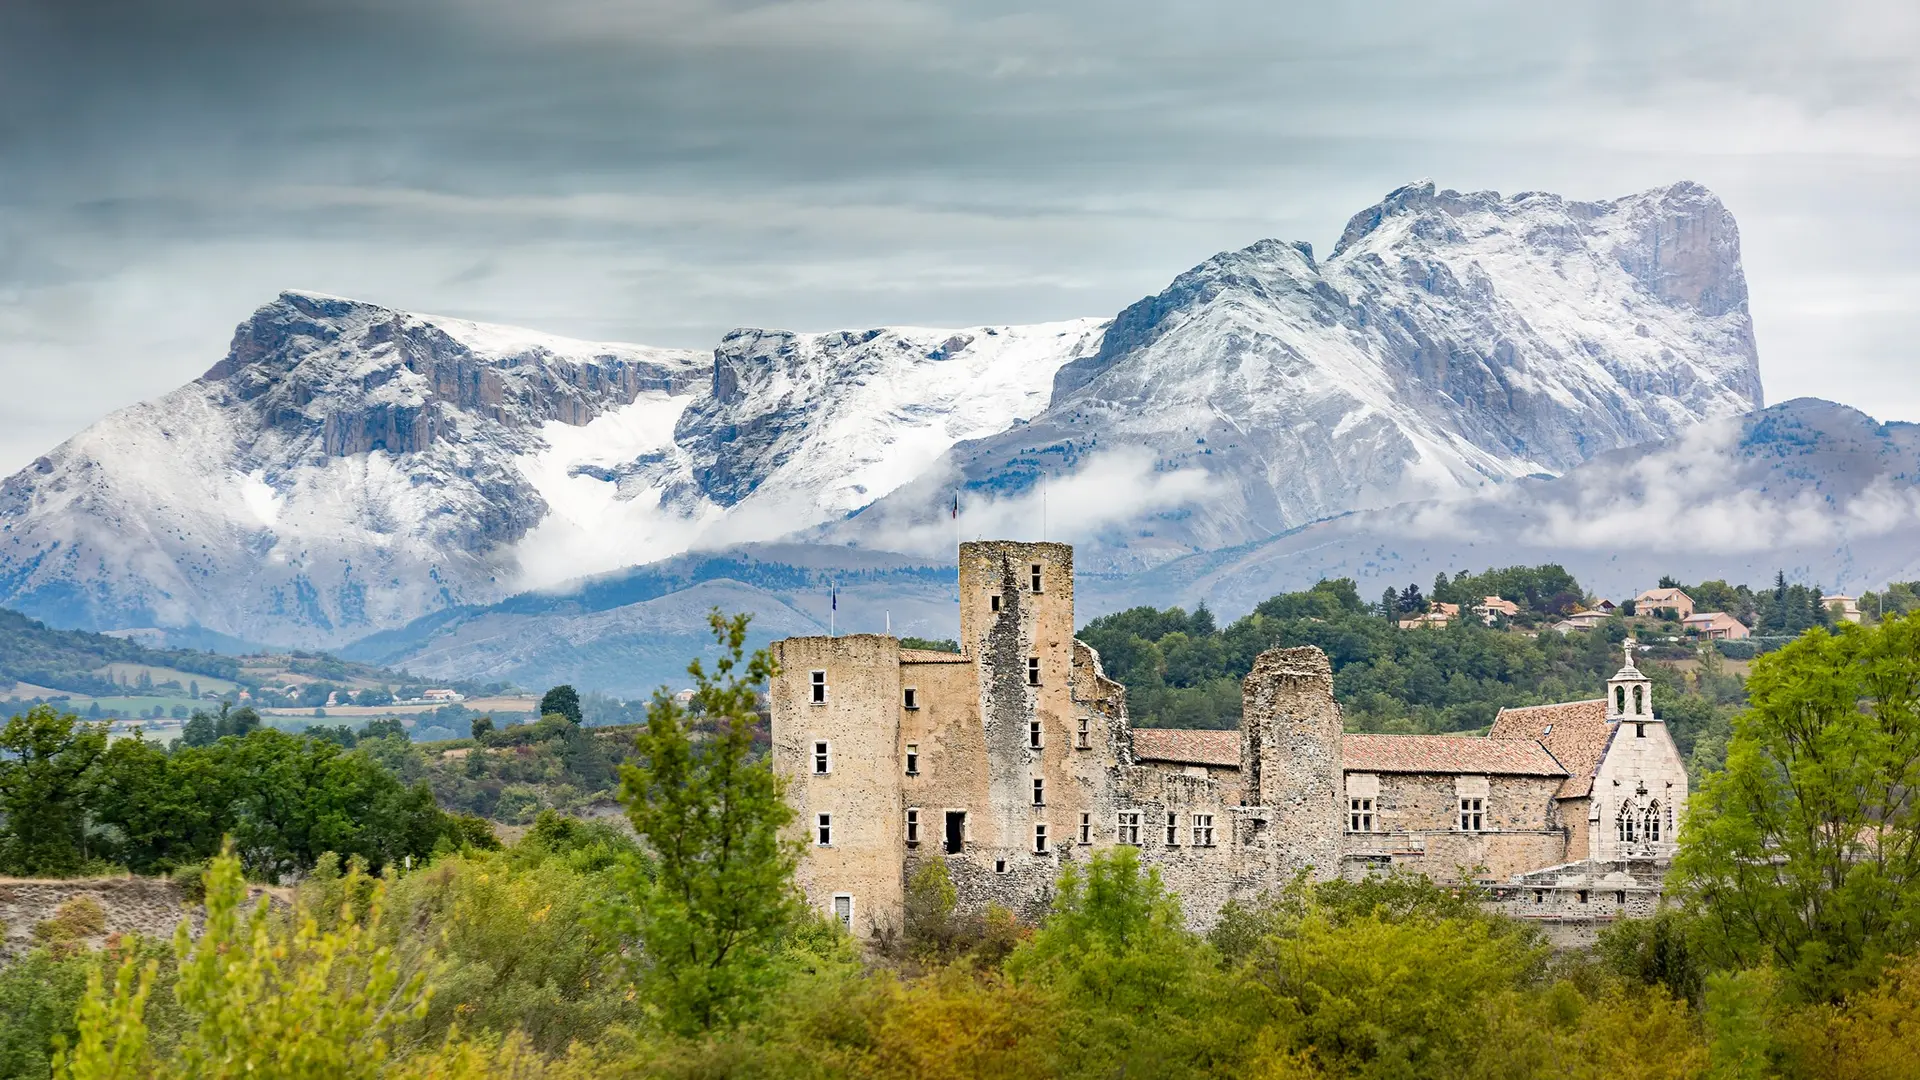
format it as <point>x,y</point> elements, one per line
<point>1639,701</point>
<point>1651,826</point>
<point>1626,822</point>
<point>1620,699</point>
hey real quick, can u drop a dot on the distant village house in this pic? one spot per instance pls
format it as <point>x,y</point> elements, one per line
<point>1716,626</point>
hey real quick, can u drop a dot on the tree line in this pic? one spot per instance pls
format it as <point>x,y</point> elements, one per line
<point>682,949</point>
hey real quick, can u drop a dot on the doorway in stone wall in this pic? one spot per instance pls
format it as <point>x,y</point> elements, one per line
<point>956,831</point>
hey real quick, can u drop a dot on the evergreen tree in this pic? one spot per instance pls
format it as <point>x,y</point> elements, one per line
<point>721,894</point>
<point>1390,605</point>
<point>482,727</point>
<point>562,700</point>
<point>1410,600</point>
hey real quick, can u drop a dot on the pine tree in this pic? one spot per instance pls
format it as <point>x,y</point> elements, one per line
<point>721,895</point>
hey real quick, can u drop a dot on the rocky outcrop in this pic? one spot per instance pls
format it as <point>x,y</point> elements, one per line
<point>1451,341</point>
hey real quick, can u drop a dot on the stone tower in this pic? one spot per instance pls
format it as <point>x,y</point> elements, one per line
<point>1290,759</point>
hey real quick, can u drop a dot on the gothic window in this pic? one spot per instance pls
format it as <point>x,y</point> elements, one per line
<point>1626,823</point>
<point>1650,825</point>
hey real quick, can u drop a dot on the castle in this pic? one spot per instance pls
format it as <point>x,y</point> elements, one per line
<point>1015,756</point>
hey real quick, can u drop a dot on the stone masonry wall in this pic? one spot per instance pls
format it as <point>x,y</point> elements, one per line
<point>1290,758</point>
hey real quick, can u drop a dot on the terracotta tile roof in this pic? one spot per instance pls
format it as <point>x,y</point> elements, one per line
<point>1187,747</point>
<point>1447,754</point>
<point>1576,733</point>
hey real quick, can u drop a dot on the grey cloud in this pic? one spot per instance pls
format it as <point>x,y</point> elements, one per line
<point>667,169</point>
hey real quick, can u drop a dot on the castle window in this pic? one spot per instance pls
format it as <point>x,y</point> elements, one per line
<point>1650,827</point>
<point>1129,831</point>
<point>819,680</point>
<point>910,698</point>
<point>913,759</point>
<point>913,826</point>
<point>1625,823</point>
<point>1639,731</point>
<point>843,910</point>
<point>1039,791</point>
<point>1084,737</point>
<point>1033,671</point>
<point>1203,830</point>
<point>1033,734</point>
<point>1173,829</point>
<point>1620,700</point>
<point>1471,815</point>
<point>1620,898</point>
<point>993,602</point>
<point>1539,896</point>
<point>1086,828</point>
<point>822,759</point>
<point>1583,896</point>
<point>824,822</point>
<point>1639,701</point>
<point>956,831</point>
<point>1360,815</point>
<point>999,866</point>
<point>1039,838</point>
<point>1036,577</point>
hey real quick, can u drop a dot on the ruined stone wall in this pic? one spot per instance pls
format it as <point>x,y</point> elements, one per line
<point>860,722</point>
<point>149,907</point>
<point>1204,876</point>
<point>1290,760</point>
<point>1417,826</point>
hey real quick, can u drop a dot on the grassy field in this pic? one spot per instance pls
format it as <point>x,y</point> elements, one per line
<point>129,674</point>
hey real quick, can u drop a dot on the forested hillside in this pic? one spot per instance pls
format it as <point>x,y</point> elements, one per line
<point>1181,669</point>
<point>70,660</point>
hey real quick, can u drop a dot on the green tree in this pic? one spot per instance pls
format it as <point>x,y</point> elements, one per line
<point>1805,853</point>
<point>562,700</point>
<point>481,728</point>
<point>721,893</point>
<point>266,1000</point>
<point>47,763</point>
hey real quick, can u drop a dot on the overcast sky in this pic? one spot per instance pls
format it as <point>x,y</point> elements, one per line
<point>664,170</point>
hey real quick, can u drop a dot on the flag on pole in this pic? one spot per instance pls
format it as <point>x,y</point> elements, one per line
<point>833,596</point>
<point>956,506</point>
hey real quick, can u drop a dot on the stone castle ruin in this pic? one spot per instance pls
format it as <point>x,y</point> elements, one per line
<point>1015,756</point>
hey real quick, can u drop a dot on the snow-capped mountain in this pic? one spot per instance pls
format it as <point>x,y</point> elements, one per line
<point>348,468</point>
<point>1449,342</point>
<point>1822,492</point>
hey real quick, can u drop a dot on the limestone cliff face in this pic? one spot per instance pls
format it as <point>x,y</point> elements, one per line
<point>345,468</point>
<point>1451,341</point>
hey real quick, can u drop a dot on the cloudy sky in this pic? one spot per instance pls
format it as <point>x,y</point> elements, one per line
<point>663,170</point>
